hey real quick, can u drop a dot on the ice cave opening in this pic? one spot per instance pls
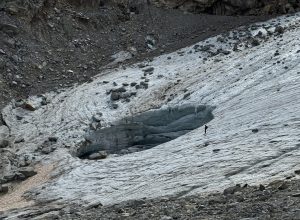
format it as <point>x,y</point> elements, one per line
<point>146,130</point>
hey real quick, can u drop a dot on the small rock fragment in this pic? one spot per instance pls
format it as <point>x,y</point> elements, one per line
<point>52,139</point>
<point>114,106</point>
<point>279,30</point>
<point>4,188</point>
<point>283,186</point>
<point>149,69</point>
<point>262,187</point>
<point>297,172</point>
<point>296,195</point>
<point>29,107</point>
<point>98,156</point>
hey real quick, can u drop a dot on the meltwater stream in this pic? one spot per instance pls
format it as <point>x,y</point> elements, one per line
<point>146,130</point>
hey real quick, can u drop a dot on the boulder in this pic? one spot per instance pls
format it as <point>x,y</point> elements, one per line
<point>115,96</point>
<point>27,171</point>
<point>4,188</point>
<point>232,189</point>
<point>149,69</point>
<point>279,30</point>
<point>52,139</point>
<point>98,156</point>
<point>29,107</point>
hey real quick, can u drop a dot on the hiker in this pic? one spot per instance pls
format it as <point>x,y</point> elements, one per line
<point>205,128</point>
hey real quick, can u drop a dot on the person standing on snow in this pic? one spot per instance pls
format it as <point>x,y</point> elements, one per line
<point>205,129</point>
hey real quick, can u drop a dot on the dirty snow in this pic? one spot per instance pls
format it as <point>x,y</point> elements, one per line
<point>250,88</point>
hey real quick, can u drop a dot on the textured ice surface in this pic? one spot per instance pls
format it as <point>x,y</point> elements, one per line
<point>251,89</point>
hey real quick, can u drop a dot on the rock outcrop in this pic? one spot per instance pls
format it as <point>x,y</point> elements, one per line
<point>234,7</point>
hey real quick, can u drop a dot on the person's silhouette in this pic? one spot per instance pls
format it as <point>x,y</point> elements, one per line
<point>205,129</point>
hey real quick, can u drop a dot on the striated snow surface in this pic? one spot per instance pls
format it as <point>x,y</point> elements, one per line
<point>250,89</point>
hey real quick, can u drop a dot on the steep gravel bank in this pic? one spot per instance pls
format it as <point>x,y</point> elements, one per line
<point>50,45</point>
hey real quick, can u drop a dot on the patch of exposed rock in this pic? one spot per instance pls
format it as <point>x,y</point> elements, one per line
<point>234,7</point>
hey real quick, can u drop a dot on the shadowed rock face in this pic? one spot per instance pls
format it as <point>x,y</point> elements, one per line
<point>234,7</point>
<point>147,130</point>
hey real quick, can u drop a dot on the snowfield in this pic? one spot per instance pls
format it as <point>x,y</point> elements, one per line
<point>255,87</point>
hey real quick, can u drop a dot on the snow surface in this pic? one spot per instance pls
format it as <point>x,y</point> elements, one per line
<point>250,88</point>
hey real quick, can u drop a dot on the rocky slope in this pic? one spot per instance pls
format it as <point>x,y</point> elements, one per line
<point>233,7</point>
<point>251,78</point>
<point>47,45</point>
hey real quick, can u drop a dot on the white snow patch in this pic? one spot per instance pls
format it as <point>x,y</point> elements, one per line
<point>251,89</point>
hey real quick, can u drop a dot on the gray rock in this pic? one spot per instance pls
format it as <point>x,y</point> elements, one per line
<point>133,149</point>
<point>165,217</point>
<point>114,96</point>
<point>47,150</point>
<point>125,95</point>
<point>115,106</point>
<point>27,171</point>
<point>149,69</point>
<point>205,48</point>
<point>4,143</point>
<point>225,52</point>
<point>255,42</point>
<point>4,188</point>
<point>121,89</point>
<point>232,189</point>
<point>141,65</point>
<point>297,172</point>
<point>279,30</point>
<point>144,85</point>
<point>283,186</point>
<point>262,187</point>
<point>16,58</point>
<point>20,176</point>
<point>186,95</point>
<point>96,118</point>
<point>133,94</point>
<point>19,140</point>
<point>52,139</point>
<point>98,156</point>
<point>94,126</point>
